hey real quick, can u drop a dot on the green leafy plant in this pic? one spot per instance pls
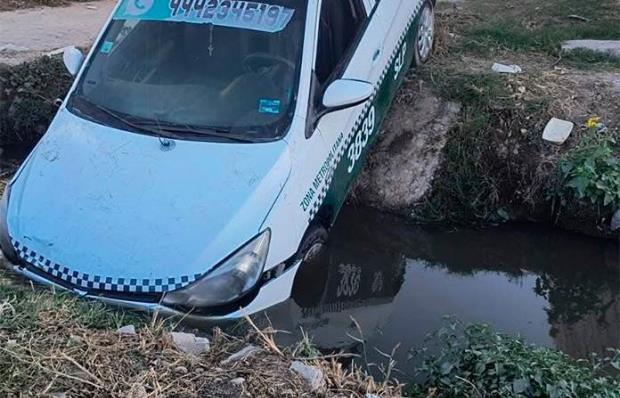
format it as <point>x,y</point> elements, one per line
<point>474,361</point>
<point>591,172</point>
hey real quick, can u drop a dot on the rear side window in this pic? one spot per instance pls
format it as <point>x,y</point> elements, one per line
<point>341,21</point>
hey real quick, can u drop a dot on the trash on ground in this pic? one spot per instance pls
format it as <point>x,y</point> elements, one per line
<point>128,330</point>
<point>501,68</point>
<point>189,343</point>
<point>311,374</point>
<point>242,355</point>
<point>557,131</point>
<point>615,221</point>
<point>609,47</point>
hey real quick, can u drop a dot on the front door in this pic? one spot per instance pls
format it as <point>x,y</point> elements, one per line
<point>354,43</point>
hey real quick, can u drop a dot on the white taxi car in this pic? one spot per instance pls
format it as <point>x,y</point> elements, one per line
<point>206,147</point>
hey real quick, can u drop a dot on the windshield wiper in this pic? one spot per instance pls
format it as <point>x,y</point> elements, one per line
<point>168,130</point>
<point>135,125</point>
<point>184,130</point>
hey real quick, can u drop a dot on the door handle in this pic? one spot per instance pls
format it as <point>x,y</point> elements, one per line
<point>376,55</point>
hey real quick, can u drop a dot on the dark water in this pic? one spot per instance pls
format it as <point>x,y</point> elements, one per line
<point>398,281</point>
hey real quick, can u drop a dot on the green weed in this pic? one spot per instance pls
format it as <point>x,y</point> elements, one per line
<point>474,361</point>
<point>591,172</point>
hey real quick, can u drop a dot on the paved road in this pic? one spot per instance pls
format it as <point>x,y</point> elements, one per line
<point>25,34</point>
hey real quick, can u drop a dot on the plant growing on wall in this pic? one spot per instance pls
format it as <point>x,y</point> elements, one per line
<point>591,172</point>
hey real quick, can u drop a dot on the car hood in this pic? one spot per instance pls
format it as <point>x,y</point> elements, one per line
<point>108,209</point>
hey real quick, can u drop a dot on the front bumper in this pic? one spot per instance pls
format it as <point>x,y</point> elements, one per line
<point>271,293</point>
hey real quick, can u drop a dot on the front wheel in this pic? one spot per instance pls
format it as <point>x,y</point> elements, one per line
<point>425,36</point>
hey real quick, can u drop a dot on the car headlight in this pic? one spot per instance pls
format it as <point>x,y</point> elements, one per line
<point>229,281</point>
<point>5,239</point>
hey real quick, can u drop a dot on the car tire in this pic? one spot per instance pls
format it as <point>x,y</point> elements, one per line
<point>425,35</point>
<point>311,279</point>
<point>313,242</point>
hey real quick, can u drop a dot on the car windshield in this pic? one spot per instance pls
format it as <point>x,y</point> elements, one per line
<point>204,68</point>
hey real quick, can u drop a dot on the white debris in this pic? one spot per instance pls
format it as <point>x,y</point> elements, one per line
<point>615,221</point>
<point>190,343</point>
<point>128,330</point>
<point>242,355</point>
<point>11,343</point>
<point>312,375</point>
<point>369,395</point>
<point>58,51</point>
<point>501,68</point>
<point>181,370</point>
<point>557,131</point>
<point>238,381</point>
<point>609,47</point>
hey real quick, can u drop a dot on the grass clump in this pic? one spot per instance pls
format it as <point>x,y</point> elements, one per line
<point>474,361</point>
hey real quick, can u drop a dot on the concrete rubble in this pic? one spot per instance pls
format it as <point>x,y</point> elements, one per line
<point>189,343</point>
<point>608,47</point>
<point>311,374</point>
<point>129,330</point>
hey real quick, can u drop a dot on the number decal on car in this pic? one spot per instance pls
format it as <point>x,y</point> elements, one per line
<point>361,138</point>
<point>399,64</point>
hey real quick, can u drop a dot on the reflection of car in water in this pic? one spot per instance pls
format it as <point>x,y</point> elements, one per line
<point>346,281</point>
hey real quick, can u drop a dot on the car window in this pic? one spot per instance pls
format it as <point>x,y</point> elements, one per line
<point>341,21</point>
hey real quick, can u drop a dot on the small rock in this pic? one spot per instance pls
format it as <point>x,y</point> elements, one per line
<point>59,395</point>
<point>615,221</point>
<point>11,343</point>
<point>199,370</point>
<point>557,131</point>
<point>511,69</point>
<point>312,375</point>
<point>189,343</point>
<point>129,330</point>
<point>182,370</point>
<point>238,381</point>
<point>242,355</point>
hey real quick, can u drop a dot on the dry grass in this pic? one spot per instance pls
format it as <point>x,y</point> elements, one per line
<point>55,343</point>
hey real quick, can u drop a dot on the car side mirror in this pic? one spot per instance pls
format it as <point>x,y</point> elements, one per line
<point>73,59</point>
<point>346,93</point>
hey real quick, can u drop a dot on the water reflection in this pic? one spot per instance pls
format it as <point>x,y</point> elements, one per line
<point>397,281</point>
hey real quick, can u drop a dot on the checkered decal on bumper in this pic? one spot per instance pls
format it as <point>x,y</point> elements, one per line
<point>316,206</point>
<point>98,282</point>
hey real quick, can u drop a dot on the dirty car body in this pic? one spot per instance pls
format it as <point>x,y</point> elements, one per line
<point>200,142</point>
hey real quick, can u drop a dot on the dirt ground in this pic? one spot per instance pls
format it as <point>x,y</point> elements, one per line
<point>28,33</point>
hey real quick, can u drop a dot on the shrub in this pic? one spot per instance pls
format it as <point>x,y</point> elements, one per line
<point>591,172</point>
<point>27,96</point>
<point>474,361</point>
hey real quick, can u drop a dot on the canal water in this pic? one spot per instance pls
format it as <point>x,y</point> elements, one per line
<point>392,283</point>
